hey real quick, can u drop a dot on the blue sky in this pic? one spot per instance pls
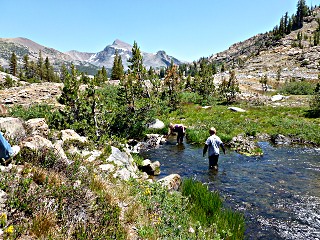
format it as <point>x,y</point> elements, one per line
<point>187,29</point>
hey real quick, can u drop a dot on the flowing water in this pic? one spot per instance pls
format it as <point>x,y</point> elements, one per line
<point>279,192</point>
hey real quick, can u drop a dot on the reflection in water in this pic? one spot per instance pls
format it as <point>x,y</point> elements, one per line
<point>278,192</point>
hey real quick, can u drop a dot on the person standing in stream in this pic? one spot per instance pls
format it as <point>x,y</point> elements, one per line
<point>179,129</point>
<point>213,143</point>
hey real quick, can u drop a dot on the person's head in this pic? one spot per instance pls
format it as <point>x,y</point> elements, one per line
<point>212,131</point>
<point>170,125</point>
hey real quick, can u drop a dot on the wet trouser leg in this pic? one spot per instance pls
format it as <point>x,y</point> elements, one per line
<point>213,161</point>
<point>180,137</point>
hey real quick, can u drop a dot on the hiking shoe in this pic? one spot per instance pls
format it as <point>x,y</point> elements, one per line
<point>15,150</point>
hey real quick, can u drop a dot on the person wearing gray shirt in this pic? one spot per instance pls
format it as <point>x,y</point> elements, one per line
<point>213,143</point>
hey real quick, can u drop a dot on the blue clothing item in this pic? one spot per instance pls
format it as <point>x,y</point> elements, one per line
<point>5,148</point>
<point>213,143</point>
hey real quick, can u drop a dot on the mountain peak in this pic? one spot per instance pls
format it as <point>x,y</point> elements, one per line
<point>120,44</point>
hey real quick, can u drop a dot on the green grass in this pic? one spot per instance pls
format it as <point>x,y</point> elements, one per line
<point>33,111</point>
<point>290,121</point>
<point>207,208</point>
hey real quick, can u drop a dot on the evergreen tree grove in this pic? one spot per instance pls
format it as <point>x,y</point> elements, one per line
<point>229,89</point>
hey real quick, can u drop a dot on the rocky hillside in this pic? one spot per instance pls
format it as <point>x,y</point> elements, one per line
<point>88,62</point>
<point>23,46</point>
<point>71,189</point>
<point>280,60</point>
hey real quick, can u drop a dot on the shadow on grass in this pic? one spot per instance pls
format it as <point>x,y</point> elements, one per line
<point>312,114</point>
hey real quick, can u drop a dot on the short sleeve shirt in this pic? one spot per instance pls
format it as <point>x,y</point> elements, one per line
<point>213,143</point>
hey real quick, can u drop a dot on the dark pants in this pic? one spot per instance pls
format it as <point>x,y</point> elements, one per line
<point>180,137</point>
<point>213,161</point>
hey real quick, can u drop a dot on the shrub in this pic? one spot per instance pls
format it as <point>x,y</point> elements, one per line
<point>190,97</point>
<point>33,111</point>
<point>298,88</point>
<point>315,102</point>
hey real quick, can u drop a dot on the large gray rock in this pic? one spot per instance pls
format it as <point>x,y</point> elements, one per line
<point>69,134</point>
<point>277,98</point>
<point>58,150</point>
<point>171,182</point>
<point>107,167</point>
<point>37,126</point>
<point>122,159</point>
<point>156,124</point>
<point>36,143</point>
<point>124,174</point>
<point>3,110</point>
<point>13,128</point>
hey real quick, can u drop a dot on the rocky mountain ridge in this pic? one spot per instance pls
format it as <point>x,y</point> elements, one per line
<point>88,61</point>
<point>106,56</point>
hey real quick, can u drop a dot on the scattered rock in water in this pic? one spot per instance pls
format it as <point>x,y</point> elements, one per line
<point>245,145</point>
<point>151,141</point>
<point>281,139</point>
<point>151,168</point>
<point>206,107</point>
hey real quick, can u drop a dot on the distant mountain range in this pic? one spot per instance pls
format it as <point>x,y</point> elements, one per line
<point>89,62</point>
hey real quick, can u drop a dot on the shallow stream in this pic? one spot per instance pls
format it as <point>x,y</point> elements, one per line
<point>279,192</point>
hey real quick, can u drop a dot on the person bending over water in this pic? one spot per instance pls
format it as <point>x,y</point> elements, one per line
<point>213,143</point>
<point>179,129</point>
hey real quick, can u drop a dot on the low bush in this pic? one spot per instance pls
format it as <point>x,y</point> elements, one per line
<point>298,88</point>
<point>33,111</point>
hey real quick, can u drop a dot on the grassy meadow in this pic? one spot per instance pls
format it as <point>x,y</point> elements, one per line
<point>289,121</point>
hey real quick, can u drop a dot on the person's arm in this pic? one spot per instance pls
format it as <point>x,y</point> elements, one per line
<point>184,129</point>
<point>223,148</point>
<point>205,149</point>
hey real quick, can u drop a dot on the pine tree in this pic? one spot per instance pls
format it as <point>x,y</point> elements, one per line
<point>117,71</point>
<point>135,84</point>
<point>162,72</point>
<point>204,84</point>
<point>70,89</point>
<point>136,63</point>
<point>104,74</point>
<point>26,66</point>
<point>48,71</point>
<point>229,88</point>
<point>172,86</point>
<point>63,73</point>
<point>264,81</point>
<point>302,11</point>
<point>13,64</point>
<point>40,69</point>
